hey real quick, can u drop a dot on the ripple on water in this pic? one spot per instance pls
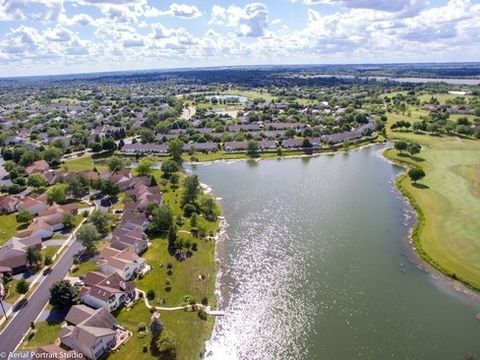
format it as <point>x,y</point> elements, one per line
<point>267,313</point>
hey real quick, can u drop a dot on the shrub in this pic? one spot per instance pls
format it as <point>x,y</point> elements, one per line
<point>189,209</point>
<point>48,260</point>
<point>151,294</point>
<point>142,326</point>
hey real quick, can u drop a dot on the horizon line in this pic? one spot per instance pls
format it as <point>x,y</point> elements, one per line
<point>214,67</point>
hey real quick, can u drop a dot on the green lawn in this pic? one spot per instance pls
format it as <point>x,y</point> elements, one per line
<point>88,162</point>
<point>84,268</point>
<point>50,251</point>
<point>449,235</point>
<point>8,227</point>
<point>45,333</point>
<point>12,292</point>
<point>189,330</point>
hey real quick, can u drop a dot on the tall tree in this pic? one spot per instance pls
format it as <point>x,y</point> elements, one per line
<point>88,236</point>
<point>115,164</point>
<point>416,174</point>
<point>175,149</point>
<point>192,189</point>
<point>34,257</point>
<point>63,295</point>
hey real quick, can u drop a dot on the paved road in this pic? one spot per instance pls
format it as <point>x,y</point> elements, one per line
<point>13,333</point>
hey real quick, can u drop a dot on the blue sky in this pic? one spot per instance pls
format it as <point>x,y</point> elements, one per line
<point>70,36</point>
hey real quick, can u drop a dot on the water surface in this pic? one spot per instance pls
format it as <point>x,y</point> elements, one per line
<point>317,266</point>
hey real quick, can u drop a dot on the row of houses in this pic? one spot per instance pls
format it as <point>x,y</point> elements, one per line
<point>49,219</point>
<point>91,329</point>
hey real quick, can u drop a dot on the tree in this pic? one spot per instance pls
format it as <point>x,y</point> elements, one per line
<point>110,188</point>
<point>413,149</point>
<point>169,167</point>
<point>175,149</point>
<point>78,186</point>
<point>88,236</point>
<point>24,217</point>
<point>416,174</point>
<point>401,146</point>
<point>172,238</point>
<point>22,286</point>
<point>166,345</point>
<point>63,295</point>
<point>209,207</point>
<point>144,167</point>
<point>34,257</point>
<point>68,220</point>
<point>147,136</point>
<point>52,155</point>
<point>162,218</point>
<point>109,144</point>
<point>156,325</point>
<point>192,189</point>
<point>57,194</point>
<point>252,148</point>
<point>101,220</point>
<point>115,164</point>
<point>37,181</point>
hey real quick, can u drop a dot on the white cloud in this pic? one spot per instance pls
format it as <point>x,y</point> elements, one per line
<point>251,20</point>
<point>38,10</point>
<point>183,11</point>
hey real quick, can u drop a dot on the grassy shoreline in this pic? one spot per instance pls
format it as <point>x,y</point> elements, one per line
<point>446,233</point>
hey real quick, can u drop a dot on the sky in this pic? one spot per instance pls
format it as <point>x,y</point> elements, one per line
<point>40,37</point>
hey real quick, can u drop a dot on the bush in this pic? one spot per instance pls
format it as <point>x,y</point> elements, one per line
<point>142,326</point>
<point>48,260</point>
<point>204,301</point>
<point>189,209</point>
<point>151,294</point>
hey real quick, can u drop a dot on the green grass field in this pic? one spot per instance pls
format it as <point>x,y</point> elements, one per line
<point>8,227</point>
<point>189,330</point>
<point>45,334</point>
<point>449,234</point>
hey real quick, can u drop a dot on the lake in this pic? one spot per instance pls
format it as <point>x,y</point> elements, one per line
<point>318,266</point>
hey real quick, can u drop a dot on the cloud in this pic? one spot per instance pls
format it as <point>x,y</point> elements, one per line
<point>251,20</point>
<point>183,11</point>
<point>408,7</point>
<point>38,10</point>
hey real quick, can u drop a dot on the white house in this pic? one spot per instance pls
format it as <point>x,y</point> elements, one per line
<point>125,262</point>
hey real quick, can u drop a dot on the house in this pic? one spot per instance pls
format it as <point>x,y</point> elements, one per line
<point>39,227</point>
<point>92,332</point>
<point>125,262</point>
<point>231,146</point>
<point>145,149</point>
<point>53,351</point>
<point>292,143</point>
<point>107,291</point>
<point>203,147</point>
<point>267,144</point>
<point>129,235</point>
<point>13,255</point>
<point>39,166</point>
<point>32,205</point>
<point>8,204</point>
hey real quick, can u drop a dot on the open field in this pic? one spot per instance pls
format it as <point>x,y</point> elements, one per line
<point>448,235</point>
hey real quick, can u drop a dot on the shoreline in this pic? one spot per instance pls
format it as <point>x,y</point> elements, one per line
<point>422,263</point>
